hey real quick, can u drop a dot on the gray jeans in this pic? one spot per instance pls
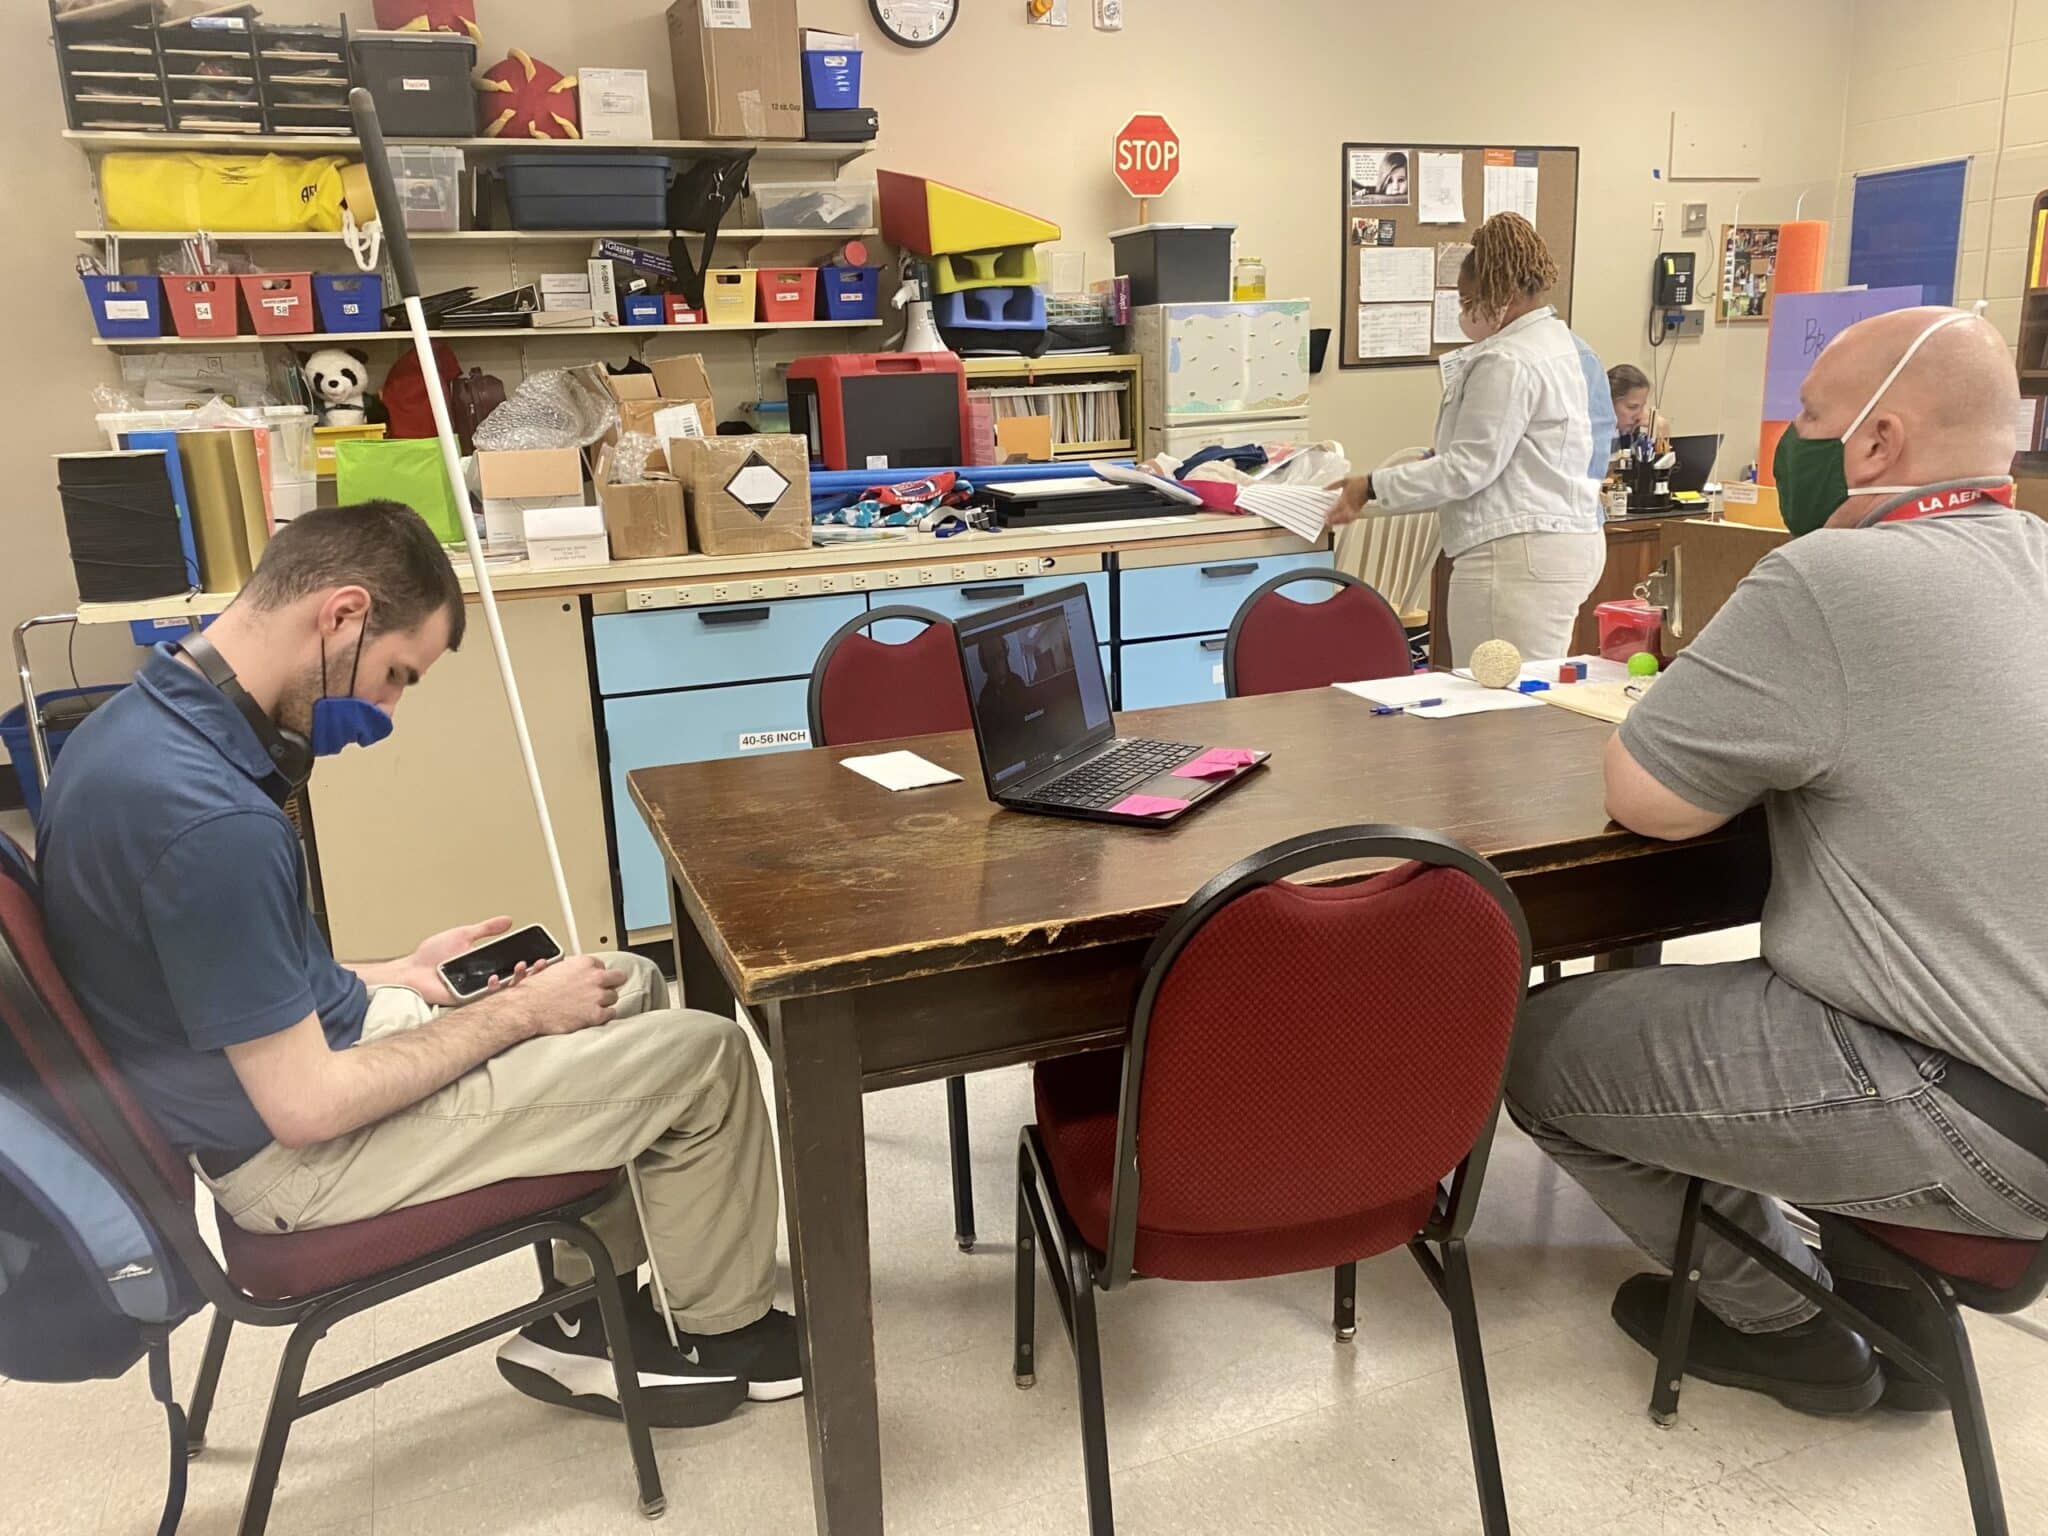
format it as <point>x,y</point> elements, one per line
<point>1636,1080</point>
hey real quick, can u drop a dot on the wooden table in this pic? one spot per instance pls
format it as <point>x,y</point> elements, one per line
<point>881,939</point>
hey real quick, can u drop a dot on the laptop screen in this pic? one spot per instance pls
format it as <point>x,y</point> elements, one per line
<point>1035,683</point>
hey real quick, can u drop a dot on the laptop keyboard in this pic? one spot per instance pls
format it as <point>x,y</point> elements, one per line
<point>1115,774</point>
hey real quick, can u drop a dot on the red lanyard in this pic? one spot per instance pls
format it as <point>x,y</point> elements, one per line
<point>1950,501</point>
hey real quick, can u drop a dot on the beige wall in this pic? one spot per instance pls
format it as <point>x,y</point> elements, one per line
<point>1263,96</point>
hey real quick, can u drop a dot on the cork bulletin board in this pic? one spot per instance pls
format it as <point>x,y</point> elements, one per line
<point>1410,206</point>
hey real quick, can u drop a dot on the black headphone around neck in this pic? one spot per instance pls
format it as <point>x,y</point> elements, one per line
<point>291,752</point>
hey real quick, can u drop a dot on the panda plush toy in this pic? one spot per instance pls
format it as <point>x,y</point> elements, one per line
<point>340,381</point>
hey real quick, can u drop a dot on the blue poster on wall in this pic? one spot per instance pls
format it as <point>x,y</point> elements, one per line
<point>1906,228</point>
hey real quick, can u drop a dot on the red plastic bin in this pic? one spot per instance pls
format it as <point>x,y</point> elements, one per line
<point>1627,627</point>
<point>678,310</point>
<point>787,294</point>
<point>280,303</point>
<point>204,306</point>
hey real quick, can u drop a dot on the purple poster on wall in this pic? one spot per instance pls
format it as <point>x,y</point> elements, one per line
<point>1803,323</point>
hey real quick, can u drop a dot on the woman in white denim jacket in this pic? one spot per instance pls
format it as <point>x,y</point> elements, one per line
<point>1519,454</point>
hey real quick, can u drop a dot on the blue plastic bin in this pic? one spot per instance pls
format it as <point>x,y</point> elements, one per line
<point>349,301</point>
<point>14,735</point>
<point>831,80</point>
<point>126,308</point>
<point>849,293</point>
<point>993,309</point>
<point>644,309</point>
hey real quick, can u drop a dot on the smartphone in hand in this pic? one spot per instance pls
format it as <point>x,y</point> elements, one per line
<point>469,975</point>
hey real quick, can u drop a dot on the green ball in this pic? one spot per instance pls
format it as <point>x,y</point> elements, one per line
<point>1642,664</point>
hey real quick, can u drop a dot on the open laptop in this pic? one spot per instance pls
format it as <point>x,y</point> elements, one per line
<point>1695,466</point>
<point>1042,721</point>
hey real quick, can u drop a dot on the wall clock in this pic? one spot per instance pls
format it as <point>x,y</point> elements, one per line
<point>915,23</point>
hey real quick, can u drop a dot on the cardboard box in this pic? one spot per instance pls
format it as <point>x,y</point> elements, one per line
<point>738,69</point>
<point>748,495</point>
<point>645,519</point>
<point>515,483</point>
<point>562,536</point>
<point>675,381</point>
<point>614,105</point>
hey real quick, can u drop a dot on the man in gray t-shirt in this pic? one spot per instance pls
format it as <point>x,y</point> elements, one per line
<point>1881,688</point>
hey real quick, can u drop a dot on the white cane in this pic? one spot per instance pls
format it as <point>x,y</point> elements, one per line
<point>378,166</point>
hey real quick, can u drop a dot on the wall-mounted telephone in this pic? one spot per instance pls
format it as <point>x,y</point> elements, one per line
<point>1675,279</point>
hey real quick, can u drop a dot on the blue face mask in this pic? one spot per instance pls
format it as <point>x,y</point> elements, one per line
<point>346,721</point>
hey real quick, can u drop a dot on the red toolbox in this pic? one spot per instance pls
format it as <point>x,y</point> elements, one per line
<point>881,410</point>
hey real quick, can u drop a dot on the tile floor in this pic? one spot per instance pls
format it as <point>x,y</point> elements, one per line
<point>1231,1409</point>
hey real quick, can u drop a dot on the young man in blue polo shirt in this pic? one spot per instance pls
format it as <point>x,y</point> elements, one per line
<point>312,1094</point>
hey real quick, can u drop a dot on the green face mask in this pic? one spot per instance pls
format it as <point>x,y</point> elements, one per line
<point>1813,480</point>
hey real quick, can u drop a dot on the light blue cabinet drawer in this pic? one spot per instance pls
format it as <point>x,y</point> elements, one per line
<point>1197,599</point>
<point>654,729</point>
<point>1161,672</point>
<point>732,643</point>
<point>957,603</point>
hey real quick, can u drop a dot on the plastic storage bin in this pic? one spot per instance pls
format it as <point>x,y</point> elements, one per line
<point>831,80</point>
<point>992,309</point>
<point>729,296</point>
<point>14,735</point>
<point>1175,263</point>
<point>280,303</point>
<point>428,179</point>
<point>126,308</point>
<point>815,204</point>
<point>420,82</point>
<point>349,301</point>
<point>325,440</point>
<point>599,192</point>
<point>643,309</point>
<point>849,293</point>
<point>1628,626</point>
<point>678,311</point>
<point>203,306</point>
<point>787,294</point>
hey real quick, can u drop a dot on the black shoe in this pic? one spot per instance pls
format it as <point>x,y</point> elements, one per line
<point>1907,1316</point>
<point>563,1360</point>
<point>1817,1367</point>
<point>763,1354</point>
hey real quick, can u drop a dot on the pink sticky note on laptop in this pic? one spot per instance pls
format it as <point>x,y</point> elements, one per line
<point>1216,763</point>
<point>1147,805</point>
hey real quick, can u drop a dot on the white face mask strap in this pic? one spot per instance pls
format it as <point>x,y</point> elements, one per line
<point>1893,377</point>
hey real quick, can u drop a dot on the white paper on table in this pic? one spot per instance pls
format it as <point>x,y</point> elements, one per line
<point>1460,695</point>
<point>1511,189</point>
<point>900,770</point>
<point>1440,195</point>
<point>1303,510</point>
<point>1394,330</point>
<point>1448,308</point>
<point>1396,274</point>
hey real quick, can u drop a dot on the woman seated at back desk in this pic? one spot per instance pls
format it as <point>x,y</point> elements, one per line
<point>1637,428</point>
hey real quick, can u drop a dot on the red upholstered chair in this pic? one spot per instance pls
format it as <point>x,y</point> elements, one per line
<point>306,1281</point>
<point>1280,645</point>
<point>1312,1078</point>
<point>1943,1272</point>
<point>864,689</point>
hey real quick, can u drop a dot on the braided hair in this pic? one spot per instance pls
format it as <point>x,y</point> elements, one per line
<point>1508,262</point>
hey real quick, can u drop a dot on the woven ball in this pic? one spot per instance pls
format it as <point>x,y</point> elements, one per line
<point>1496,664</point>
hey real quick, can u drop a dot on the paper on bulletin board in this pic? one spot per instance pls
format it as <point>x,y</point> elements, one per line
<point>1803,323</point>
<point>1511,176</point>
<point>1450,257</point>
<point>1379,178</point>
<point>1394,330</point>
<point>1440,187</point>
<point>1395,274</point>
<point>1447,310</point>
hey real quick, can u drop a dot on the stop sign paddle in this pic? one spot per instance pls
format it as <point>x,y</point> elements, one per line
<point>1146,157</point>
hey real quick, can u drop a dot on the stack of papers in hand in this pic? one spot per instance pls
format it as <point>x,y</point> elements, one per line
<point>1302,510</point>
<point>1456,695</point>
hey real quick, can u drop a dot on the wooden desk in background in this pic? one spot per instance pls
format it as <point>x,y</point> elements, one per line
<point>881,939</point>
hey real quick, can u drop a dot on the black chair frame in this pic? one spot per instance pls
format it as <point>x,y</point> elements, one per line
<point>1939,1299</point>
<point>311,1317</point>
<point>1076,1271</point>
<point>960,1147</point>
<point>1328,577</point>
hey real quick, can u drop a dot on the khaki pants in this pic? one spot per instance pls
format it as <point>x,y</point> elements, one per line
<point>670,1090</point>
<point>1526,589</point>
